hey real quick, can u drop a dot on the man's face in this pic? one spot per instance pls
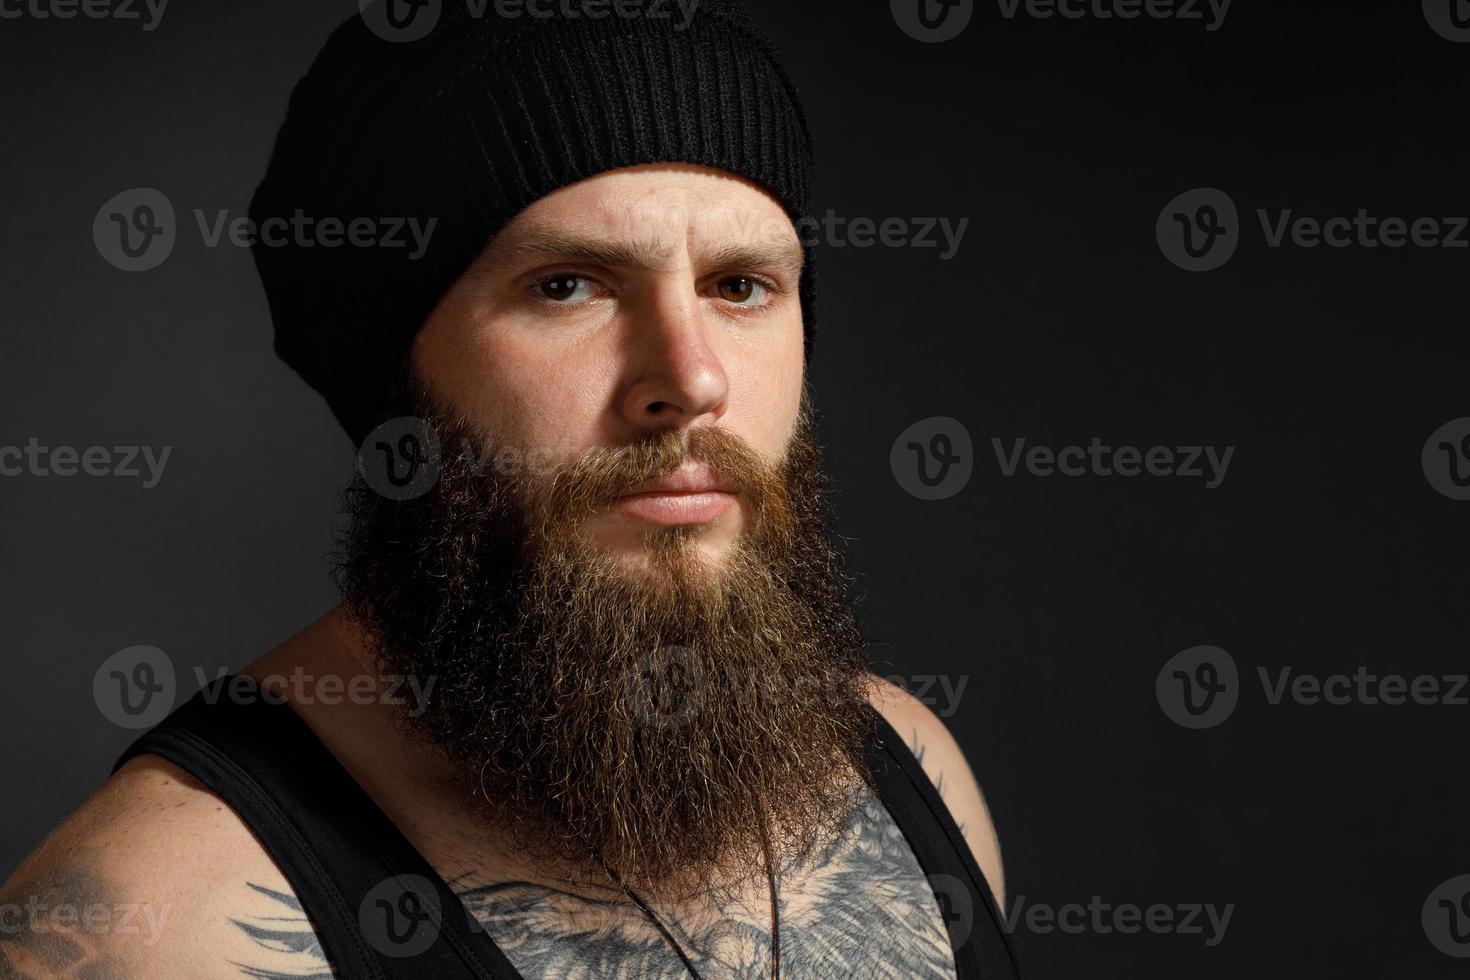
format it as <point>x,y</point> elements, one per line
<point>656,677</point>
<point>641,301</point>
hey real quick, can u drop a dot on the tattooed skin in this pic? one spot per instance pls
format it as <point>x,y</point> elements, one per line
<point>53,927</point>
<point>282,930</point>
<point>858,908</point>
<point>917,748</point>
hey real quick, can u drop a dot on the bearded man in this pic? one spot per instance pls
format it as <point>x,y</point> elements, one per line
<point>595,703</point>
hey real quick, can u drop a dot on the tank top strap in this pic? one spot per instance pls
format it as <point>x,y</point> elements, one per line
<point>380,910</point>
<point>982,949</point>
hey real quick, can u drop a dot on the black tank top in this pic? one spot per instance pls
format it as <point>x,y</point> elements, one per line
<point>368,891</point>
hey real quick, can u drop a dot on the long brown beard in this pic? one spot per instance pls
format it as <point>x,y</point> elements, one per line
<point>671,724</point>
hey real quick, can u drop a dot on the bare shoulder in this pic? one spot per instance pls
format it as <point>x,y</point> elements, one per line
<point>944,763</point>
<point>153,877</point>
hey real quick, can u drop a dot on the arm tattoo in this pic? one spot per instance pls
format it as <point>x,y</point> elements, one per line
<point>52,925</point>
<point>859,907</point>
<point>283,929</point>
<point>917,748</point>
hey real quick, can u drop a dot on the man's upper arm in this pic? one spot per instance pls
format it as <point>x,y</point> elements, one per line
<point>944,763</point>
<point>153,878</point>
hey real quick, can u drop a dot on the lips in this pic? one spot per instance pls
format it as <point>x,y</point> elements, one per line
<point>689,495</point>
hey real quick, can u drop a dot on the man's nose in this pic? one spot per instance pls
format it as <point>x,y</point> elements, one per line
<point>676,373</point>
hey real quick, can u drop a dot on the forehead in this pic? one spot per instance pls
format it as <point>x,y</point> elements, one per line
<point>663,208</point>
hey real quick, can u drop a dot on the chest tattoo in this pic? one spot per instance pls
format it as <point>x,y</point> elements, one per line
<point>858,908</point>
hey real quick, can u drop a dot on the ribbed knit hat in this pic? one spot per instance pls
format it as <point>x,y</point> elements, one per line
<point>496,105</point>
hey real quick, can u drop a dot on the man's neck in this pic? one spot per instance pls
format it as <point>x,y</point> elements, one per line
<point>413,784</point>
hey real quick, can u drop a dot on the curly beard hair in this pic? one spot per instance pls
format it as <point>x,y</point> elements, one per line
<point>677,721</point>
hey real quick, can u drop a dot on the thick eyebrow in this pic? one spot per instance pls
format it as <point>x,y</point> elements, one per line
<point>786,256</point>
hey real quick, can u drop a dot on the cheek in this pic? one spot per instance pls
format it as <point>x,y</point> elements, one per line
<point>537,401</point>
<point>766,392</point>
<point>533,401</point>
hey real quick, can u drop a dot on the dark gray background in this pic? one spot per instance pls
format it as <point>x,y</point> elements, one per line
<point>1060,599</point>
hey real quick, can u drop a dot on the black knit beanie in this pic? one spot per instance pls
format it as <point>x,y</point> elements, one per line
<point>497,105</point>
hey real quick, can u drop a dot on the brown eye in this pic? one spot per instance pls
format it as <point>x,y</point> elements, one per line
<point>740,290</point>
<point>562,288</point>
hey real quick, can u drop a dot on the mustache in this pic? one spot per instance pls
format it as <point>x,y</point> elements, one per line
<point>599,476</point>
